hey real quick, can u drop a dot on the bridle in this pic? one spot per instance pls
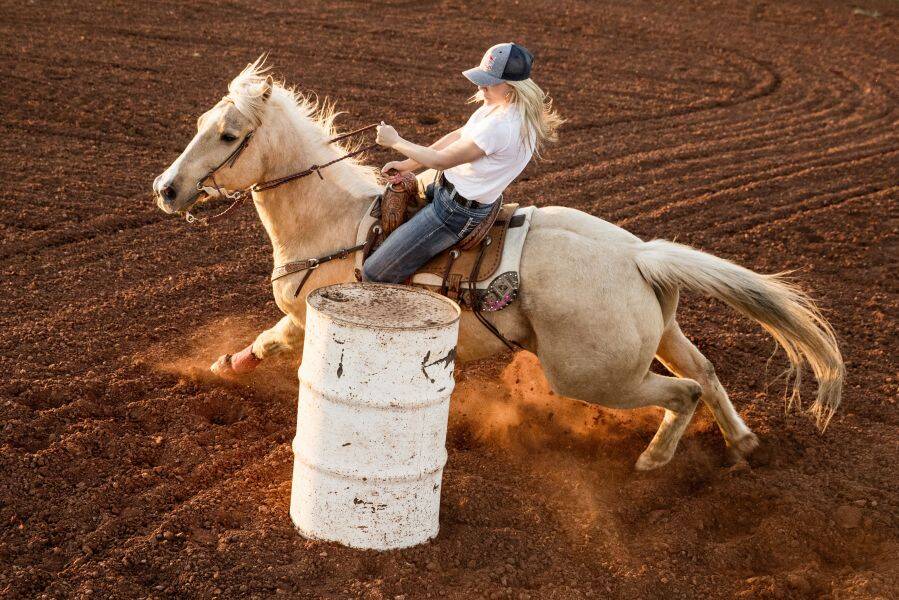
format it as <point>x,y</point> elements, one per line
<point>238,197</point>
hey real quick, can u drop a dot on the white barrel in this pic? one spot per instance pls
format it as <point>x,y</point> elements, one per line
<point>375,386</point>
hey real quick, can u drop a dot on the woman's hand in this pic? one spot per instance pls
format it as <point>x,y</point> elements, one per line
<point>387,135</point>
<point>397,166</point>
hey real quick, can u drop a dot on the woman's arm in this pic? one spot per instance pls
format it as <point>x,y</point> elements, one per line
<point>411,165</point>
<point>446,140</point>
<point>455,153</point>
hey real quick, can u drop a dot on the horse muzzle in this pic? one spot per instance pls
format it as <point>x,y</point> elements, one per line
<point>171,197</point>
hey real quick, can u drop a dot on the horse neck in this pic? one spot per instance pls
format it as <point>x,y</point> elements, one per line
<point>311,216</point>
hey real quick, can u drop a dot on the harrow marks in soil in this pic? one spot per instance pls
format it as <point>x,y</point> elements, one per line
<point>766,133</point>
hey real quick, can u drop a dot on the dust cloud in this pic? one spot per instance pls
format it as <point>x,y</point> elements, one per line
<point>277,376</point>
<point>519,411</point>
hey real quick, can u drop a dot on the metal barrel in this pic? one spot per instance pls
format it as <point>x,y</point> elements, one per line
<point>375,385</point>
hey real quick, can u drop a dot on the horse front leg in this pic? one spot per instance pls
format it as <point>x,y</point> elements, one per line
<point>286,335</point>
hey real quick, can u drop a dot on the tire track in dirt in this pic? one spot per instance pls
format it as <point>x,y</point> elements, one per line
<point>737,188</point>
<point>737,138</point>
<point>822,203</point>
<point>668,156</point>
<point>756,174</point>
<point>657,154</point>
<point>765,122</point>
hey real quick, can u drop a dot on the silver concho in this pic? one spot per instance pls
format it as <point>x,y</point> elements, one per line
<point>500,293</point>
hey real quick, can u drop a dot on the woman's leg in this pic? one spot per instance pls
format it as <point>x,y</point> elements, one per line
<point>433,229</point>
<point>409,247</point>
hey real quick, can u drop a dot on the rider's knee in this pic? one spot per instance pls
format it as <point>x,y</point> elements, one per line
<point>370,272</point>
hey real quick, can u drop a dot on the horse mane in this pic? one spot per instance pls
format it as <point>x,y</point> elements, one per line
<point>248,93</point>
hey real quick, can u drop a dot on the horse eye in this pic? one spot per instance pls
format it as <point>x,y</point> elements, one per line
<point>227,137</point>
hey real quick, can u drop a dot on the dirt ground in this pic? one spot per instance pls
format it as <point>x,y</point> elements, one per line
<point>765,132</point>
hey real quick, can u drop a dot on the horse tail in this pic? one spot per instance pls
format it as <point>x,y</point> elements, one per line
<point>779,306</point>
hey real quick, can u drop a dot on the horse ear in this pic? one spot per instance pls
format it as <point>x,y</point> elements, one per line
<point>269,83</point>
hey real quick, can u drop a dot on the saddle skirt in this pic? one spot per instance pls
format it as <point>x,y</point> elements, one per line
<point>495,283</point>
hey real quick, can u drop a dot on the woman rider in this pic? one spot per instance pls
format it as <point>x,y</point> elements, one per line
<point>476,162</point>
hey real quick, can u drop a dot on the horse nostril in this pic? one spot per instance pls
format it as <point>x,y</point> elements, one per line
<point>169,193</point>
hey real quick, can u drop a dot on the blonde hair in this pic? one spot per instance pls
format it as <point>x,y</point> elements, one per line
<point>538,119</point>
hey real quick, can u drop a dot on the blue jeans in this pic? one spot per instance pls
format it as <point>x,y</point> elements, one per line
<point>441,224</point>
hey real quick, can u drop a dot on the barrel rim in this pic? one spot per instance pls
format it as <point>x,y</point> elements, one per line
<point>409,288</point>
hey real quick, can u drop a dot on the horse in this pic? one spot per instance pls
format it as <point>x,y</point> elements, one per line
<point>596,303</point>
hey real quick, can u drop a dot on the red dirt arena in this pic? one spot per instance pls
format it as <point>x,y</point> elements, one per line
<point>764,132</point>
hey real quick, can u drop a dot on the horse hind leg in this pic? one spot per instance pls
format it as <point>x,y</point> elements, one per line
<point>682,358</point>
<point>679,397</point>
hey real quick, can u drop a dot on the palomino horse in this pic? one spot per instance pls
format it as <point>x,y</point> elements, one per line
<point>596,304</point>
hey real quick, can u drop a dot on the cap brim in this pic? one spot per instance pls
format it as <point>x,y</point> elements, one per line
<point>479,76</point>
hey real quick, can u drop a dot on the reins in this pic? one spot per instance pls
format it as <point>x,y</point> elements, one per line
<point>273,183</point>
<point>238,197</point>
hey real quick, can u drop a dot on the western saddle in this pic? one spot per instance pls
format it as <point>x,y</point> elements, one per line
<point>474,259</point>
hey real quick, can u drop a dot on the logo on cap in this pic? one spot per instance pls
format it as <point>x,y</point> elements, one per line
<point>487,63</point>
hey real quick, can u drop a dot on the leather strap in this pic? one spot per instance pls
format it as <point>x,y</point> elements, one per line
<point>231,158</point>
<point>309,265</point>
<point>293,267</point>
<point>302,283</point>
<point>240,196</point>
<point>517,221</point>
<point>451,257</point>
<point>482,229</point>
<point>454,193</point>
<point>475,302</point>
<point>273,183</point>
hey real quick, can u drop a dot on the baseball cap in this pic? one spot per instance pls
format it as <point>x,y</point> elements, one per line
<point>502,62</point>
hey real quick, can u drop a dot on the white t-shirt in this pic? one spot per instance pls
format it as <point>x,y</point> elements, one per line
<point>496,131</point>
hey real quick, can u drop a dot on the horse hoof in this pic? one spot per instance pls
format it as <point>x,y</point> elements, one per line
<point>222,367</point>
<point>649,461</point>
<point>742,448</point>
